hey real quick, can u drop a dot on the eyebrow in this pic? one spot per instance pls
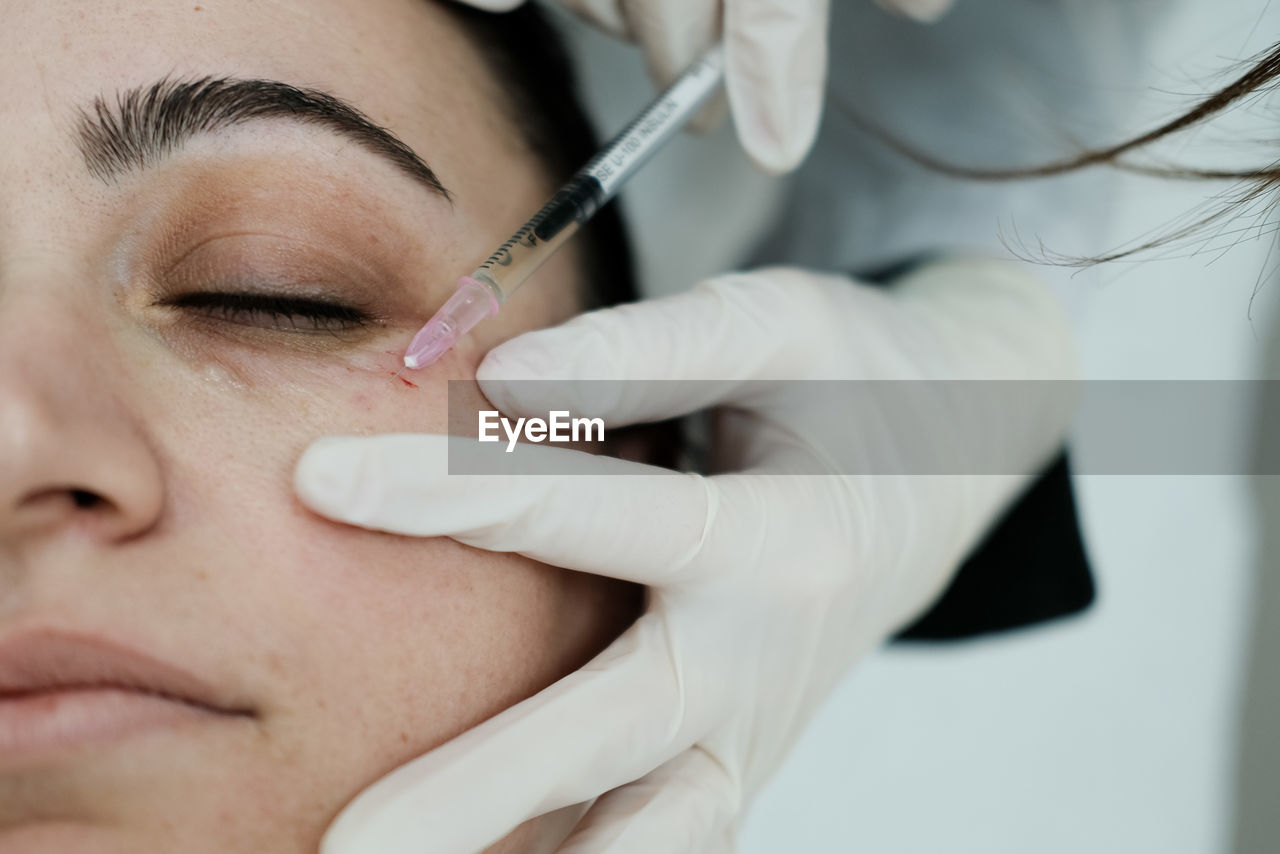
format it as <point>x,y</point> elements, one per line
<point>146,124</point>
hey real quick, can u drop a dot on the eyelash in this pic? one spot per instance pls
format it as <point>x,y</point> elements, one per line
<point>291,314</point>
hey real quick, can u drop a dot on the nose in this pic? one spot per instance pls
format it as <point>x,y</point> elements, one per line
<point>74,459</point>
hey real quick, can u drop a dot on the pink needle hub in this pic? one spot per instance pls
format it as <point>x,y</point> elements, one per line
<point>471,303</point>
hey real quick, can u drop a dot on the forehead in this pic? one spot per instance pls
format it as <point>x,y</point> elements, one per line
<point>404,63</point>
<point>334,40</point>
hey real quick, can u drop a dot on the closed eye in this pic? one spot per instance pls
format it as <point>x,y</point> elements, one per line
<point>271,311</point>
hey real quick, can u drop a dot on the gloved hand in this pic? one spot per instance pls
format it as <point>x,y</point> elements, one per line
<point>775,57</point>
<point>765,586</point>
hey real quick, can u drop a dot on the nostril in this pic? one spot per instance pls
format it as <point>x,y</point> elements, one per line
<point>85,499</point>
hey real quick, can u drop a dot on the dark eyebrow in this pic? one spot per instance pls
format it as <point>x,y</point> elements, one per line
<point>146,124</point>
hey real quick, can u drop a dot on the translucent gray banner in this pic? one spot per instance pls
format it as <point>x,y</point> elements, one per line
<point>852,427</point>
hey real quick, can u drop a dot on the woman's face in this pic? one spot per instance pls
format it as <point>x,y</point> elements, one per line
<point>190,293</point>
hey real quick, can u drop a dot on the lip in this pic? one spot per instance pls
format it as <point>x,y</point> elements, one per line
<point>61,690</point>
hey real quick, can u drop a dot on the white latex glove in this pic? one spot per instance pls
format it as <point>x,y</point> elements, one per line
<point>764,586</point>
<point>775,57</point>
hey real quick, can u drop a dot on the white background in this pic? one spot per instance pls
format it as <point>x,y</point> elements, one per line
<point>1117,731</point>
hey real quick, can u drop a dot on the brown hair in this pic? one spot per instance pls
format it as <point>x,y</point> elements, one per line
<point>1262,71</point>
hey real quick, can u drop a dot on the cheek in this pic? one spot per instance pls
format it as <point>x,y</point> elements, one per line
<point>386,647</point>
<point>370,648</point>
<point>428,633</point>
<point>261,414</point>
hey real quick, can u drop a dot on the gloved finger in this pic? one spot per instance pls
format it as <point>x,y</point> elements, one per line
<point>492,5</point>
<point>775,73</point>
<point>723,333</point>
<point>682,807</point>
<point>641,527</point>
<point>672,33</point>
<point>613,721</point>
<point>925,11</point>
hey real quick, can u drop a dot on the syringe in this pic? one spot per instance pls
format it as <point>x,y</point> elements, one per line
<point>480,294</point>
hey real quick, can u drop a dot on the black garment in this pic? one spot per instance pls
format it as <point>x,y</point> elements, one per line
<point>1031,567</point>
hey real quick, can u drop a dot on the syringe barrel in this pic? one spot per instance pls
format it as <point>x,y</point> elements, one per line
<point>632,147</point>
<point>539,238</point>
<point>598,181</point>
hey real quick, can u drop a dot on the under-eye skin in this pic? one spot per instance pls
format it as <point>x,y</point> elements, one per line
<point>285,313</point>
